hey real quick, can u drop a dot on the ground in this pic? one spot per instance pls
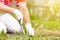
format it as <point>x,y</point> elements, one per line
<point>48,30</point>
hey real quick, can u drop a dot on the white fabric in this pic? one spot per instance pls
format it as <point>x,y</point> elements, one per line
<point>11,23</point>
<point>29,29</point>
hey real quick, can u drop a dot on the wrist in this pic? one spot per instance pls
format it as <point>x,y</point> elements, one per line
<point>18,14</point>
<point>28,25</point>
<point>15,11</point>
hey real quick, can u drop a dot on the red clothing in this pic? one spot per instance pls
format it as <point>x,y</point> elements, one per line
<point>8,2</point>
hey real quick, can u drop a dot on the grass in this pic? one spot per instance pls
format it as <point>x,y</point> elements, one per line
<point>37,23</point>
<point>46,21</point>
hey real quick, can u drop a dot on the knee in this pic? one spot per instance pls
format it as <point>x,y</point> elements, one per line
<point>2,28</point>
<point>18,30</point>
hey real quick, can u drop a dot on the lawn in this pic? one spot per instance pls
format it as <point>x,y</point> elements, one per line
<point>42,30</point>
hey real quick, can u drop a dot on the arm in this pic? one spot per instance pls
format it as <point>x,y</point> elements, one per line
<point>24,9</point>
<point>25,12</point>
<point>8,9</point>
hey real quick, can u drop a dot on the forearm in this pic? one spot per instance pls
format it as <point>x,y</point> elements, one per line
<point>25,13</point>
<point>6,8</point>
<point>26,17</point>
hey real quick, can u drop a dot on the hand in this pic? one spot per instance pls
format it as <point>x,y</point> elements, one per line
<point>29,29</point>
<point>18,14</point>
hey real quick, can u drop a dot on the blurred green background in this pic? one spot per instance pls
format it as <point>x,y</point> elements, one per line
<point>45,13</point>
